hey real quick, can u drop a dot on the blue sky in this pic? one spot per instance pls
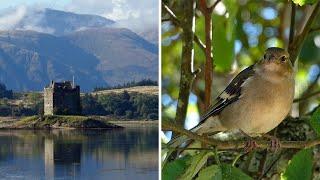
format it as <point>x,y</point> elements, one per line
<point>56,4</point>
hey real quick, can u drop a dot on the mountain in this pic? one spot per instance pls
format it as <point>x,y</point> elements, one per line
<point>30,60</point>
<point>150,35</point>
<point>124,56</point>
<point>58,22</point>
<point>45,45</point>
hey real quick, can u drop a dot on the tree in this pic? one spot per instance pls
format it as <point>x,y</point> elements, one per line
<point>90,106</point>
<point>4,93</point>
<point>227,36</point>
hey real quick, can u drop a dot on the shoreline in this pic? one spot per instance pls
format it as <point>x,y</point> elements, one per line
<point>72,122</point>
<point>123,123</point>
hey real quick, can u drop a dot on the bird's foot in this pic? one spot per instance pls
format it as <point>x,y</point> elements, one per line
<point>250,145</point>
<point>275,143</point>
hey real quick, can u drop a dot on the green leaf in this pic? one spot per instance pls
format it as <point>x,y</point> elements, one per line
<point>211,172</point>
<point>315,121</point>
<point>200,32</point>
<point>303,2</point>
<point>232,9</point>
<point>222,44</point>
<point>223,172</point>
<point>300,167</point>
<point>197,162</point>
<point>230,172</point>
<point>173,169</point>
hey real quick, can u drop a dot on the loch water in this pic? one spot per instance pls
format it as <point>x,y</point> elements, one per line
<point>130,153</point>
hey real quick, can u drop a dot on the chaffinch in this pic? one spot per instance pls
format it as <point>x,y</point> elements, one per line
<point>255,101</point>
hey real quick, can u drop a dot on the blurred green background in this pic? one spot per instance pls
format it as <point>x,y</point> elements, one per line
<point>242,30</point>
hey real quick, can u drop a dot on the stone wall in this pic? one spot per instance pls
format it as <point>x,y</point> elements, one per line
<point>48,101</point>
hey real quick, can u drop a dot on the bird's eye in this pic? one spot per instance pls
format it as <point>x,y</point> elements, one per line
<point>283,59</point>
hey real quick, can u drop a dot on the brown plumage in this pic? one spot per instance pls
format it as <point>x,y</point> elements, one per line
<point>256,100</point>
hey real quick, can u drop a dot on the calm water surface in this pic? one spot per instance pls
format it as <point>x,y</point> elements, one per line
<point>73,154</point>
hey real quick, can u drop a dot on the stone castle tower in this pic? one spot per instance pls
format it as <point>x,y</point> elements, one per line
<point>62,98</point>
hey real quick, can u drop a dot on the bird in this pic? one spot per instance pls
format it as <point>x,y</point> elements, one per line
<point>256,101</point>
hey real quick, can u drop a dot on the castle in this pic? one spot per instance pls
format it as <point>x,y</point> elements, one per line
<point>62,98</point>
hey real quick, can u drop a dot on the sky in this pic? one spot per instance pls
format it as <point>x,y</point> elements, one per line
<point>134,14</point>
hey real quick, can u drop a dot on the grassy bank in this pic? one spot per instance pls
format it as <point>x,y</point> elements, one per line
<point>47,122</point>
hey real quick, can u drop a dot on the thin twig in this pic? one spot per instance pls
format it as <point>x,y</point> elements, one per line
<point>296,45</point>
<point>271,165</point>
<point>182,148</point>
<point>214,5</point>
<point>263,162</point>
<point>177,22</point>
<point>307,97</point>
<point>233,144</point>
<point>199,43</point>
<point>292,22</point>
<point>314,29</point>
<point>173,17</point>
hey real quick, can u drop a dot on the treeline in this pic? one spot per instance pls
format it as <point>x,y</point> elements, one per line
<point>4,93</point>
<point>130,106</point>
<point>25,105</point>
<point>144,82</point>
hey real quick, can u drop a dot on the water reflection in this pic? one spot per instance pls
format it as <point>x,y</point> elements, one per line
<point>74,154</point>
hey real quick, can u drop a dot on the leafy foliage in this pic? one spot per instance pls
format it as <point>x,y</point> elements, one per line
<point>315,121</point>
<point>143,82</point>
<point>196,163</point>
<point>210,172</point>
<point>4,93</point>
<point>124,104</point>
<point>174,169</point>
<point>222,172</point>
<point>304,2</point>
<point>300,167</point>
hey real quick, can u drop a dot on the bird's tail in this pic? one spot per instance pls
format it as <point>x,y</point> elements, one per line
<point>182,141</point>
<point>178,141</point>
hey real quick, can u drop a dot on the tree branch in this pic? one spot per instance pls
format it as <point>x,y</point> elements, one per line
<point>271,165</point>
<point>292,22</point>
<point>314,30</point>
<point>208,51</point>
<point>186,76</point>
<point>263,144</point>
<point>176,22</point>
<point>308,93</point>
<point>306,97</point>
<point>296,45</point>
<point>214,5</point>
<point>173,17</point>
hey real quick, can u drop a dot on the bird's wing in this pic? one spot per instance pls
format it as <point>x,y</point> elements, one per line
<point>230,94</point>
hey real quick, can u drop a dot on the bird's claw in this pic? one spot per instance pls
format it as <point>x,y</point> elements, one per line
<point>275,144</point>
<point>250,145</point>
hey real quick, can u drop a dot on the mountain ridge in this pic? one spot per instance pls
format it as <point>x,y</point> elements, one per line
<point>97,54</point>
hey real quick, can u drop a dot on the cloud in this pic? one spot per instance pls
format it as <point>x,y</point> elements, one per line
<point>38,29</point>
<point>12,18</point>
<point>137,15</point>
<point>23,18</point>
